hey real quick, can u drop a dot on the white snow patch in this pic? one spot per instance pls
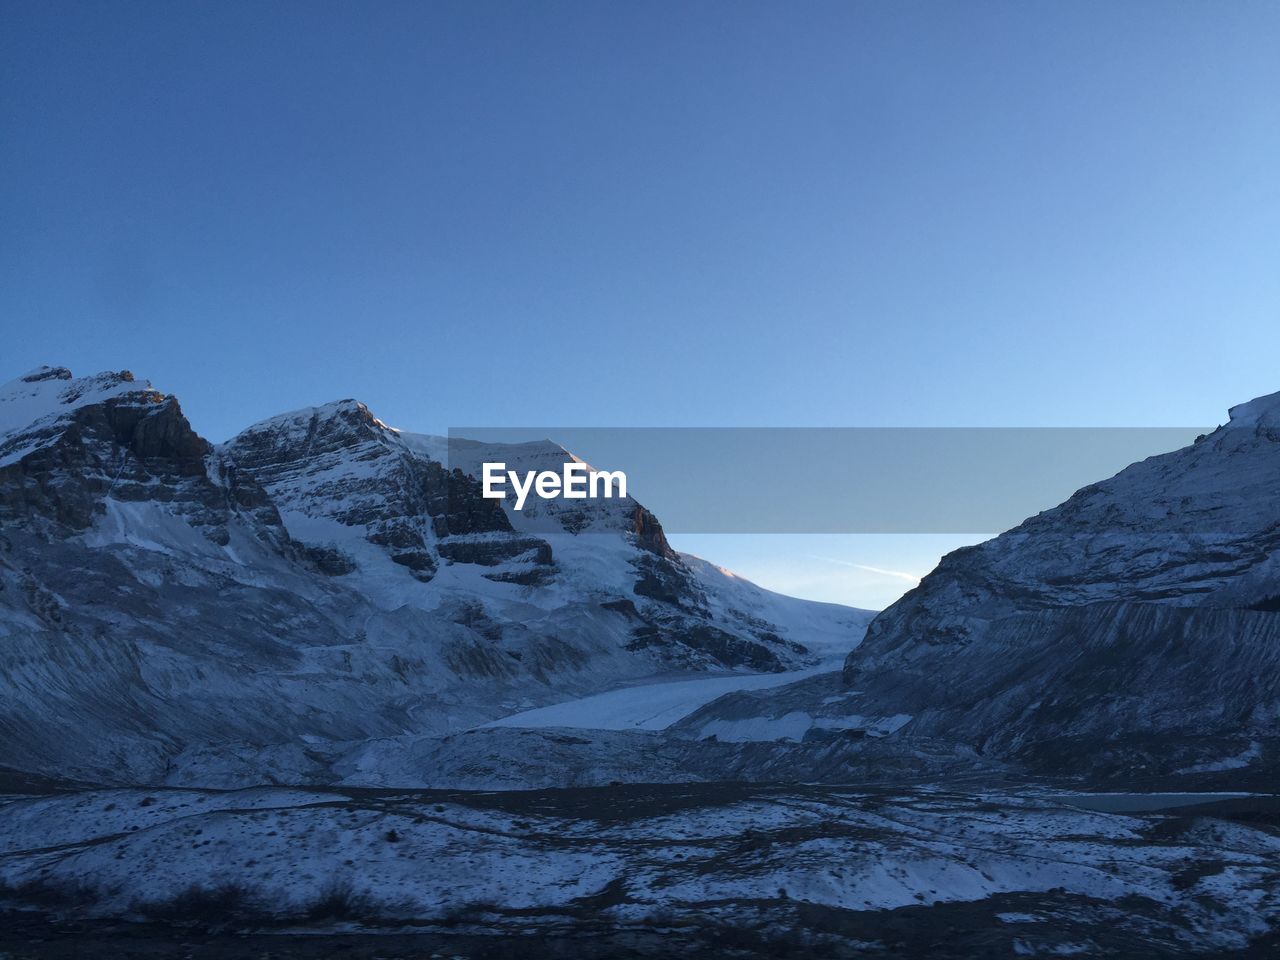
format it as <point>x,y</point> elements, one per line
<point>651,706</point>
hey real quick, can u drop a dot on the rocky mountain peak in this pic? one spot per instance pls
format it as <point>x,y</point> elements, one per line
<point>312,431</point>
<point>1260,412</point>
<point>50,395</point>
<point>73,450</point>
<point>44,372</point>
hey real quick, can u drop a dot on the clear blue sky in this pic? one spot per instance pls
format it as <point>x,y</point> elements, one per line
<point>711,213</point>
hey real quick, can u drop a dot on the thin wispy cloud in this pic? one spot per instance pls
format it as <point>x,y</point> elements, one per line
<point>895,574</point>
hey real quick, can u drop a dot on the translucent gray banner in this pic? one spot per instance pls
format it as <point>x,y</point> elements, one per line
<point>826,480</point>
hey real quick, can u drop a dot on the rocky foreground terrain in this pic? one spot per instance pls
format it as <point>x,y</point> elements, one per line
<point>307,694</point>
<point>716,869</point>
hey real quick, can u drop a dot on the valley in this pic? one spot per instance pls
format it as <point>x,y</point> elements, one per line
<point>310,691</point>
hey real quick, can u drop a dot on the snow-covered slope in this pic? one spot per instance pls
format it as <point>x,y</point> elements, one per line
<point>320,580</point>
<point>1131,632</point>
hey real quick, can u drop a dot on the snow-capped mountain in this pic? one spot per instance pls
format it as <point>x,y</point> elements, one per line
<point>400,518</point>
<point>1131,632</point>
<point>328,603</point>
<point>321,579</point>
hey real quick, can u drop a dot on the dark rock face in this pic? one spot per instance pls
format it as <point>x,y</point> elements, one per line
<point>160,432</point>
<point>340,463</point>
<point>667,581</point>
<point>712,641</point>
<point>649,534</point>
<point>457,501</point>
<point>42,374</point>
<point>494,551</point>
<point>1130,628</point>
<point>106,437</point>
<point>330,561</point>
